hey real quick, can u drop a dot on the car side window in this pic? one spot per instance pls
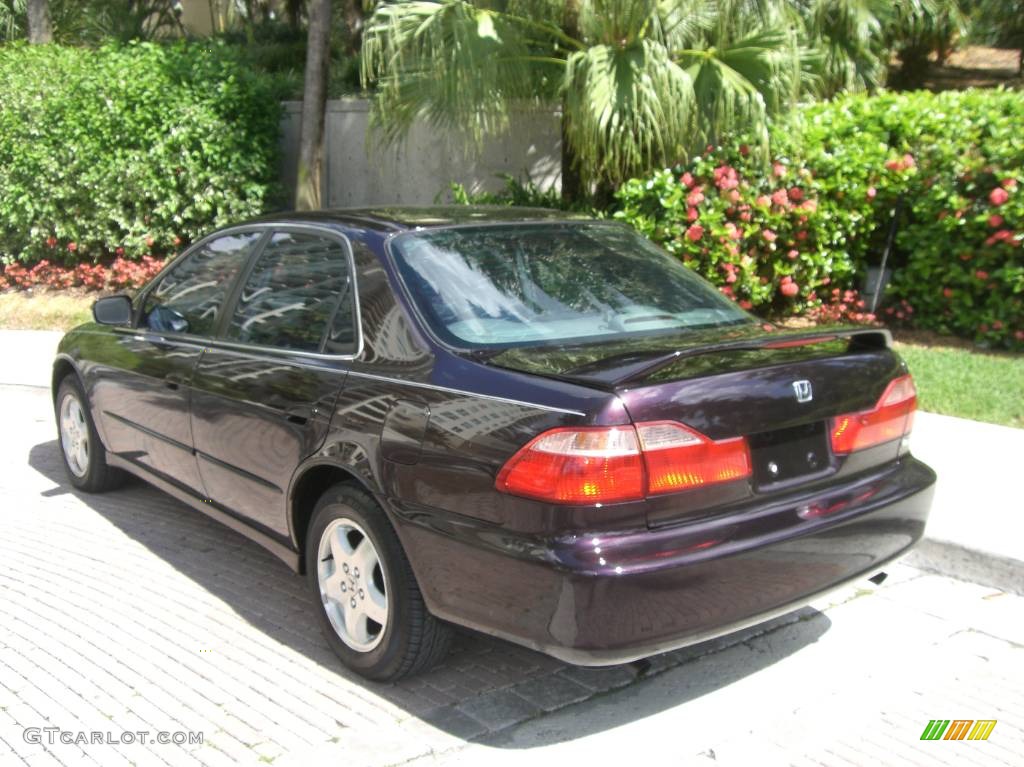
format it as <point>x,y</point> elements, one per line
<point>298,296</point>
<point>188,297</point>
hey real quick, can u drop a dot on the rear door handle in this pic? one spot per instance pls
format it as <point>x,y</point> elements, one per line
<point>173,382</point>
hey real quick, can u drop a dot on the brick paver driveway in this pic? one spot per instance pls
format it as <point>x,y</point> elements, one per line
<point>129,613</point>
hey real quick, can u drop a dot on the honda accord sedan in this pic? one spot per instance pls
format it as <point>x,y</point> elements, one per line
<point>536,426</point>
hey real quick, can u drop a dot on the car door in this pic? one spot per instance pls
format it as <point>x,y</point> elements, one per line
<point>143,396</point>
<point>264,391</point>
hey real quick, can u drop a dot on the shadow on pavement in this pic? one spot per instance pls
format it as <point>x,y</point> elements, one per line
<point>485,686</point>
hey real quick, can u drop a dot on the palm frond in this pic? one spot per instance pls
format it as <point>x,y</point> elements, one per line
<point>627,109</point>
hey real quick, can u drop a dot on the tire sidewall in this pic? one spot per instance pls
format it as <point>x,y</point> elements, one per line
<point>386,658</point>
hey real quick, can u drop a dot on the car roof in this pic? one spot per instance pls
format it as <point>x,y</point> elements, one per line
<point>404,218</point>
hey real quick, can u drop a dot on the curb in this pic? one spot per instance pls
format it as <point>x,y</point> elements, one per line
<point>964,564</point>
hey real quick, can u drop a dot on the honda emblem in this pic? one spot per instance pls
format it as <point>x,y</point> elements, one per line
<point>803,391</point>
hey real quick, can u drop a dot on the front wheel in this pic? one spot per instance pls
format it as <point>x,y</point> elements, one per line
<point>84,457</point>
<point>371,610</point>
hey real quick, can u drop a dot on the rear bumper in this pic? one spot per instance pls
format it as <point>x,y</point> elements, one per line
<point>610,598</point>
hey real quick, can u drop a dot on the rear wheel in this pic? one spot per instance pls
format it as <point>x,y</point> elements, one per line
<point>85,458</point>
<point>371,609</point>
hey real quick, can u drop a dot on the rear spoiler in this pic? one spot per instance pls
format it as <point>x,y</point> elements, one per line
<point>860,339</point>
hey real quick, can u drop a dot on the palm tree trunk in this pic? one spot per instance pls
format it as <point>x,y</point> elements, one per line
<point>572,182</point>
<point>39,28</point>
<point>314,107</point>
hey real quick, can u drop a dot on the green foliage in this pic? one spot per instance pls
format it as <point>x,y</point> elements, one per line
<point>774,242</point>
<point>642,83</point>
<point>954,159</point>
<point>514,192</point>
<point>91,22</point>
<point>136,149</point>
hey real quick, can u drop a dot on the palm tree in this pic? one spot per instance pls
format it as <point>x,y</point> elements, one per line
<point>642,83</point>
<point>314,106</point>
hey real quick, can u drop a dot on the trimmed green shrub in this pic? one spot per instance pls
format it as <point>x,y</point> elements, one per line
<point>794,237</point>
<point>128,150</point>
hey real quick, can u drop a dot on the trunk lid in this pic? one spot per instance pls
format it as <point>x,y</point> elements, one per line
<point>778,390</point>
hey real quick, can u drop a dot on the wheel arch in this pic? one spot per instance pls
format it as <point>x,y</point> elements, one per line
<point>63,366</point>
<point>309,484</point>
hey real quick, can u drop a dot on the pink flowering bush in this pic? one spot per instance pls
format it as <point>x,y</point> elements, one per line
<point>794,236</point>
<point>763,238</point>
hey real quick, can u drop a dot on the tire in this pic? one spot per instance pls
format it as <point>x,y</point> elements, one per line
<point>401,640</point>
<point>85,458</point>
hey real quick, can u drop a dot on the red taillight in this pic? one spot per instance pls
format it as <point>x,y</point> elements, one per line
<point>577,466</point>
<point>890,419</point>
<point>679,458</point>
<point>614,464</point>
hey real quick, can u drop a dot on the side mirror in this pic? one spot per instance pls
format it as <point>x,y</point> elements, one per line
<point>113,310</point>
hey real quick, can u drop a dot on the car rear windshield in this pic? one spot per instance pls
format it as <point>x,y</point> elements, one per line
<point>529,284</point>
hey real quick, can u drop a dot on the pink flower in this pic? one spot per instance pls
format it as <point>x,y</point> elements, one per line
<point>981,274</point>
<point>801,236</point>
<point>796,194</point>
<point>998,196</point>
<point>51,242</point>
<point>745,304</point>
<point>686,179</point>
<point>995,221</point>
<point>692,214</point>
<point>871,192</point>
<point>695,197</point>
<point>734,195</point>
<point>763,201</point>
<point>789,288</point>
<point>769,235</point>
<point>72,246</point>
<point>809,205</point>
<point>997,325</point>
<point>1009,184</point>
<point>778,169</point>
<point>793,254</point>
<point>695,232</point>
<point>119,251</point>
<point>947,292</point>
<point>908,161</point>
<point>731,278</point>
<point>779,197</point>
<point>745,215</point>
<point>1019,335</point>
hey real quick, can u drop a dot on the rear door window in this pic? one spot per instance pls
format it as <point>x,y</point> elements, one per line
<point>298,296</point>
<point>188,297</point>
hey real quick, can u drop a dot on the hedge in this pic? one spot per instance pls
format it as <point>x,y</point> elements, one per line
<point>128,150</point>
<point>794,237</point>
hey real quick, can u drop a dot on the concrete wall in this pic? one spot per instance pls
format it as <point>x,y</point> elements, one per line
<point>418,171</point>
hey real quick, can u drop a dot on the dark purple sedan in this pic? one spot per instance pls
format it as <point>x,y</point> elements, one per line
<point>539,427</point>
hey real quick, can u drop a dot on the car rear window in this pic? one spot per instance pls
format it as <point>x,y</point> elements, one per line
<point>501,286</point>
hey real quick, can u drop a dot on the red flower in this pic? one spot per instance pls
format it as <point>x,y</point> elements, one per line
<point>51,242</point>
<point>789,289</point>
<point>796,194</point>
<point>995,221</point>
<point>745,304</point>
<point>947,292</point>
<point>177,241</point>
<point>998,196</point>
<point>997,325</point>
<point>1019,335</point>
<point>695,232</point>
<point>981,274</point>
<point>801,236</point>
<point>119,251</point>
<point>72,246</point>
<point>744,150</point>
<point>149,242</point>
<point>692,214</point>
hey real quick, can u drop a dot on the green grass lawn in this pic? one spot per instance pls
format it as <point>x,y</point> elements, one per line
<point>968,383</point>
<point>44,311</point>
